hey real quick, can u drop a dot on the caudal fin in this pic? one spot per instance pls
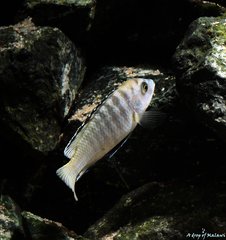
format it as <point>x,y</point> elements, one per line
<point>68,175</point>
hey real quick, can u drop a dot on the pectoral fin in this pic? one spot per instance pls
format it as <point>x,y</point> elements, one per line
<point>150,119</point>
<point>117,147</point>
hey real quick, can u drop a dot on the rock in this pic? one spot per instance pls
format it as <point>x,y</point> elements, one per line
<point>43,229</point>
<point>200,63</point>
<point>18,225</point>
<point>153,229</point>
<point>61,14</point>
<point>158,211</point>
<point>208,8</point>
<point>11,224</point>
<point>40,72</point>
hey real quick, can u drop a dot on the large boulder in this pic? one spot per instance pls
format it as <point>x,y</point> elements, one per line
<point>168,211</point>
<point>40,73</point>
<point>43,229</point>
<point>18,225</point>
<point>200,64</point>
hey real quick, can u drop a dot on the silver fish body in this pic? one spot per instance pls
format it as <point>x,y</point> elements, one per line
<point>114,120</point>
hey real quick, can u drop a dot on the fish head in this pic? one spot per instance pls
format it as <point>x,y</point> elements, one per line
<point>143,93</point>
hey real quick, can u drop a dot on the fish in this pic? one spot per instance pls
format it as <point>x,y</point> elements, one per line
<point>112,122</point>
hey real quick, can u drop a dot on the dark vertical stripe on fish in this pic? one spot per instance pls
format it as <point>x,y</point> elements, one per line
<point>120,101</point>
<point>114,114</point>
<point>125,95</point>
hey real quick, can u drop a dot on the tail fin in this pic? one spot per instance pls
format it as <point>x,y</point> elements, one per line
<point>68,175</point>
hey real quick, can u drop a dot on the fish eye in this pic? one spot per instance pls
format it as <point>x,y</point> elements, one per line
<point>144,87</point>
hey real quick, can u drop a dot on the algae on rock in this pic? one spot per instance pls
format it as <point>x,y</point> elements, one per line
<point>11,225</point>
<point>200,64</point>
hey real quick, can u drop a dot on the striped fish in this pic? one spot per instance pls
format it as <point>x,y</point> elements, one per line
<point>112,122</point>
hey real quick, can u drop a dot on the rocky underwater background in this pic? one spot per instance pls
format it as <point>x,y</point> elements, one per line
<point>58,60</point>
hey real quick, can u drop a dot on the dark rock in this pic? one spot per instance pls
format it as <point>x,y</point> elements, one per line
<point>208,8</point>
<point>200,62</point>
<point>44,229</point>
<point>40,72</point>
<point>11,224</point>
<point>18,225</point>
<point>164,211</point>
<point>155,228</point>
<point>218,3</point>
<point>61,14</point>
